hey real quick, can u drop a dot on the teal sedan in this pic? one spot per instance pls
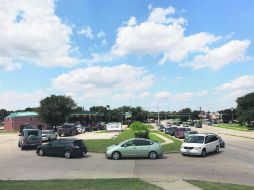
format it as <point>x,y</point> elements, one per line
<point>136,147</point>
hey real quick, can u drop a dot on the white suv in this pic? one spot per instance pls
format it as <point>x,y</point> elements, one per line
<point>200,144</point>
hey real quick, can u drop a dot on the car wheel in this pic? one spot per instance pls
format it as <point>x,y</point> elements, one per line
<point>116,155</point>
<point>217,150</point>
<point>19,145</point>
<point>67,154</point>
<point>153,155</point>
<point>41,152</point>
<point>203,154</point>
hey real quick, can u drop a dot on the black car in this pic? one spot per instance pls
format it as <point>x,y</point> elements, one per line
<point>62,147</point>
<point>171,130</point>
<point>161,128</point>
<point>222,143</point>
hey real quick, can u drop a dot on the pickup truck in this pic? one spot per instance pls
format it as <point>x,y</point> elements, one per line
<point>67,129</point>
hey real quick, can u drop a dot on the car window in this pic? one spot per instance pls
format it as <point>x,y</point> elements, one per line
<point>141,143</point>
<point>213,138</point>
<point>208,139</point>
<point>35,133</point>
<point>129,143</point>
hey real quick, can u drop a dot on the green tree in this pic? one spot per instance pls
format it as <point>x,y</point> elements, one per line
<point>245,108</point>
<point>185,114</point>
<point>55,110</point>
<point>3,114</point>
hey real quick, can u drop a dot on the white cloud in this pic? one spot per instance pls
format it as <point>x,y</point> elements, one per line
<point>163,34</point>
<point>104,81</point>
<point>31,32</point>
<point>144,95</point>
<point>101,34</point>
<point>87,32</point>
<point>214,59</point>
<point>13,100</point>
<point>238,87</point>
<point>162,95</point>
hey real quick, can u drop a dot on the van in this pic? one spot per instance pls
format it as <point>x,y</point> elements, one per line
<point>30,138</point>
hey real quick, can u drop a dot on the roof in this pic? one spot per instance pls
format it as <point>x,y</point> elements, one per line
<point>22,114</point>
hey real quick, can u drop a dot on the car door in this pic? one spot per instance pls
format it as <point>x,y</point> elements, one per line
<point>214,142</point>
<point>128,149</point>
<point>51,148</point>
<point>209,143</point>
<point>142,147</point>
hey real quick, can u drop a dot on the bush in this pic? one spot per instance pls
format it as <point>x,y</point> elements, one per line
<point>140,130</point>
<point>142,134</point>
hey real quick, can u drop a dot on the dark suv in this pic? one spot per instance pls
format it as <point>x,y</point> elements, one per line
<point>171,130</point>
<point>63,147</point>
<point>67,129</point>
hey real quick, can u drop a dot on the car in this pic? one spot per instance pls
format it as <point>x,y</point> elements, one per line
<point>161,128</point>
<point>66,147</point>
<point>198,125</point>
<point>48,135</point>
<point>136,147</point>
<point>200,144</point>
<point>222,143</point>
<point>68,129</point>
<point>180,131</point>
<point>29,138</point>
<point>187,133</point>
<point>171,130</point>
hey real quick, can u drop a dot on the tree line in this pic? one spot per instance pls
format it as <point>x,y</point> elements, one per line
<point>55,110</point>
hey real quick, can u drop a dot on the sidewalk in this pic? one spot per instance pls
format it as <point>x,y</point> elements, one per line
<point>167,140</point>
<point>172,184</point>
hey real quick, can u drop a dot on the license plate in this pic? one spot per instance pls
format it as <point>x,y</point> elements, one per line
<point>188,151</point>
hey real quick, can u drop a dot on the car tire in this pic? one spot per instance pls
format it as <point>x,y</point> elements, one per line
<point>19,145</point>
<point>40,152</point>
<point>203,153</point>
<point>67,154</point>
<point>116,155</point>
<point>153,155</point>
<point>217,150</point>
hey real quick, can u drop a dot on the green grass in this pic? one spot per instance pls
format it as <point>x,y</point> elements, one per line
<point>205,185</point>
<point>100,145</point>
<point>154,137</point>
<point>78,184</point>
<point>233,126</point>
<point>171,147</point>
<point>149,126</point>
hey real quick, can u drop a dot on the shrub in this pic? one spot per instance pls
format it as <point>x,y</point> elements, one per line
<point>140,130</point>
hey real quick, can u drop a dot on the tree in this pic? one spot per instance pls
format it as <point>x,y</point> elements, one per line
<point>3,114</point>
<point>245,108</point>
<point>227,115</point>
<point>55,110</point>
<point>185,114</point>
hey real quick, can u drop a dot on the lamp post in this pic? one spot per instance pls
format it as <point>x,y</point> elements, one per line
<point>108,107</point>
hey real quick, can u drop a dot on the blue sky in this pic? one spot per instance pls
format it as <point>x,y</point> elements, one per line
<point>174,54</point>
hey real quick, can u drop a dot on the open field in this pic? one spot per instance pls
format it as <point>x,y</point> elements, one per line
<point>206,185</point>
<point>91,184</point>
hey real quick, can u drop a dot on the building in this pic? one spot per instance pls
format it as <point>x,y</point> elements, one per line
<point>15,120</point>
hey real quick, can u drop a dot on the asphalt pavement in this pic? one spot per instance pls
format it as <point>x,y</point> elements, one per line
<point>234,164</point>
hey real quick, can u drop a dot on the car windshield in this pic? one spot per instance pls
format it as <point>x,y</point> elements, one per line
<point>195,139</point>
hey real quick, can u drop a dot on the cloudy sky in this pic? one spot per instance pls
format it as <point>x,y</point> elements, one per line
<point>171,53</point>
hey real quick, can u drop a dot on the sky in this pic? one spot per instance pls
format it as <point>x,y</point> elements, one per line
<point>166,54</point>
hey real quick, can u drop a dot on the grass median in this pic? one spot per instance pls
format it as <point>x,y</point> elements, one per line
<point>206,185</point>
<point>234,127</point>
<point>80,184</point>
<point>171,147</point>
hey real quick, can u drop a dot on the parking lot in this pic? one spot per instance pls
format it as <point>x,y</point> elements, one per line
<point>233,164</point>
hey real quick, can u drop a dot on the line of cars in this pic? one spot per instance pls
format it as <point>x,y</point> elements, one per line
<point>72,147</point>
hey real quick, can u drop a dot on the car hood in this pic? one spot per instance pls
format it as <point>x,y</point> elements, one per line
<point>112,146</point>
<point>192,144</point>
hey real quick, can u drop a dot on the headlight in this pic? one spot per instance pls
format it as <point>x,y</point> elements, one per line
<point>197,148</point>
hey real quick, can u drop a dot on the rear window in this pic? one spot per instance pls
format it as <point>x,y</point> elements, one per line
<point>35,133</point>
